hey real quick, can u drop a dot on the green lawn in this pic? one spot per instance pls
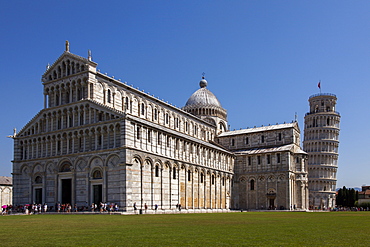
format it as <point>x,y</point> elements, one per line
<point>226,229</point>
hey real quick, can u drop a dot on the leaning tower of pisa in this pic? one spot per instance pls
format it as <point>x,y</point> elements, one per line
<point>321,142</point>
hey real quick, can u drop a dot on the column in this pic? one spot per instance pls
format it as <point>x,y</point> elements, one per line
<point>88,89</point>
<point>45,100</point>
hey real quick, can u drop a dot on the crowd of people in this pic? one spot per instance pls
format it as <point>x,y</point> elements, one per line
<point>104,207</point>
<point>35,208</point>
<point>6,209</point>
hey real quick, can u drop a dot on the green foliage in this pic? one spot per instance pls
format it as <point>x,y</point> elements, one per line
<point>227,229</point>
<point>346,197</point>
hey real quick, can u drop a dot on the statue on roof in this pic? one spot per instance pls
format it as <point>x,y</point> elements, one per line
<point>67,45</point>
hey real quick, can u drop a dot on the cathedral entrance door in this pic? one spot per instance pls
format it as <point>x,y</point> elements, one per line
<point>97,194</point>
<point>38,196</point>
<point>271,203</point>
<point>66,191</point>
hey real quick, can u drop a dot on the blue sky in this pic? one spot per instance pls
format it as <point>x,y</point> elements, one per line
<point>262,59</point>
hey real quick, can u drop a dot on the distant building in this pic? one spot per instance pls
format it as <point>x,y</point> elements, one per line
<point>321,141</point>
<point>100,140</point>
<point>364,195</point>
<point>270,167</point>
<point>6,191</point>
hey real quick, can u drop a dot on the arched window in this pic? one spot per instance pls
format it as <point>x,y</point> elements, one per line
<point>66,167</point>
<point>174,172</point>
<point>97,174</point>
<point>138,132</point>
<point>252,184</point>
<point>79,94</point>
<point>213,179</point>
<point>167,118</point>
<point>159,138</point>
<point>126,103</point>
<point>157,171</point>
<point>142,109</point>
<point>201,177</point>
<point>109,96</point>
<point>189,175</point>
<point>149,136</point>
<point>155,114</point>
<point>38,180</point>
<point>168,141</point>
<point>57,100</point>
<point>67,97</point>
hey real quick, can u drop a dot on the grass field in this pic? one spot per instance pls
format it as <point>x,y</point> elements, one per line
<point>226,229</point>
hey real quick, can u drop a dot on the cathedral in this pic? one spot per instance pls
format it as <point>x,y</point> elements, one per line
<point>98,139</point>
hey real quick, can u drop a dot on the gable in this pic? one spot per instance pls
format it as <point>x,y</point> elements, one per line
<point>66,65</point>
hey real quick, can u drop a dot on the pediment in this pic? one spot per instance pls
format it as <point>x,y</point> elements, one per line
<point>295,125</point>
<point>66,65</point>
<point>24,131</point>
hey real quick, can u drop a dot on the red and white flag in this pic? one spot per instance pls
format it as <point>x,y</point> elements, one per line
<point>319,85</point>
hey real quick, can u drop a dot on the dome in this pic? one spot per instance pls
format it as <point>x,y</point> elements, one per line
<point>203,97</point>
<point>203,103</point>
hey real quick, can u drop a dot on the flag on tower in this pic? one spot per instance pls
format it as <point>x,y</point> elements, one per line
<point>319,85</point>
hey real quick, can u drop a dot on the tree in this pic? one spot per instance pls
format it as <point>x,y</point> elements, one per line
<point>346,197</point>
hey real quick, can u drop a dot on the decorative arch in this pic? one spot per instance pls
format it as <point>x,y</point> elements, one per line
<point>113,160</point>
<point>137,160</point>
<point>243,179</point>
<point>37,168</point>
<point>96,162</point>
<point>65,166</point>
<point>149,162</point>
<point>96,173</point>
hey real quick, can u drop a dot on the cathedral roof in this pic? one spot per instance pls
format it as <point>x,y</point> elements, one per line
<point>202,97</point>
<point>290,147</point>
<point>6,180</point>
<point>260,129</point>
